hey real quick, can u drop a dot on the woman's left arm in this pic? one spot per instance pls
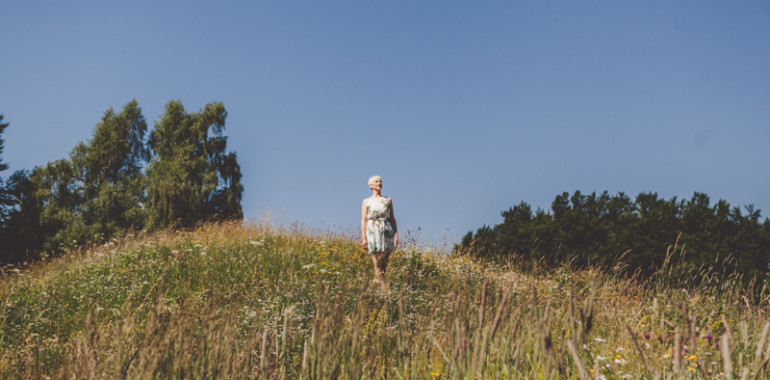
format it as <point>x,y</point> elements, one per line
<point>393,222</point>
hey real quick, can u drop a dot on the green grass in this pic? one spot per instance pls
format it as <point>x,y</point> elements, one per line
<point>231,301</point>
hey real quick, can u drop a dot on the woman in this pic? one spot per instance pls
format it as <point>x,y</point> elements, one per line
<point>379,233</point>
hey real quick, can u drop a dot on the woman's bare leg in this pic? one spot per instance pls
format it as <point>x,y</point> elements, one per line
<point>380,261</point>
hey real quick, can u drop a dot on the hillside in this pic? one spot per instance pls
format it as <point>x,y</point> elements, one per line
<point>232,301</point>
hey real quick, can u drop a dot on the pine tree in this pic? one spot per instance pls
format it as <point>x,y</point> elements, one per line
<point>4,200</point>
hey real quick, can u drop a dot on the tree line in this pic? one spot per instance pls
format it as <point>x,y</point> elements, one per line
<point>122,179</point>
<point>603,230</point>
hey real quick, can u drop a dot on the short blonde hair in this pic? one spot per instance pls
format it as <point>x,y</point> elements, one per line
<point>374,178</point>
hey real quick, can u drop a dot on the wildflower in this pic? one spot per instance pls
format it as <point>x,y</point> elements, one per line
<point>693,357</point>
<point>646,336</point>
<point>709,337</point>
<point>660,338</point>
<point>600,340</point>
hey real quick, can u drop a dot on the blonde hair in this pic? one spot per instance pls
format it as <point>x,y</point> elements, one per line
<point>374,178</point>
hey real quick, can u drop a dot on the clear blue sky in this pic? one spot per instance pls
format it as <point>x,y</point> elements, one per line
<point>465,108</point>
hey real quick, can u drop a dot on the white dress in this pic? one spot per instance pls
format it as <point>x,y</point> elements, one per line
<point>379,232</point>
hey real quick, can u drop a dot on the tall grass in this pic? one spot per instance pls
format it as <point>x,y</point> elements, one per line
<point>232,301</point>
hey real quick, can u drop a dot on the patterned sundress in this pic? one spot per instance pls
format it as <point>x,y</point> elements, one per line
<point>379,232</point>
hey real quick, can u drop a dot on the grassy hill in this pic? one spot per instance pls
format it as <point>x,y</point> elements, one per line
<point>232,301</point>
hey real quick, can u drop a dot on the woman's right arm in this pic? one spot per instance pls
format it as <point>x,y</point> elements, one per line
<point>363,223</point>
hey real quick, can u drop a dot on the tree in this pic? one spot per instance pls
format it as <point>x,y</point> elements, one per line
<point>21,234</point>
<point>59,190</point>
<point>111,164</point>
<point>191,178</point>
<point>99,190</point>
<point>4,200</point>
<point>602,229</point>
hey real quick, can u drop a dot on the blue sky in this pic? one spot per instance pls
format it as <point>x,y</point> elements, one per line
<point>465,108</point>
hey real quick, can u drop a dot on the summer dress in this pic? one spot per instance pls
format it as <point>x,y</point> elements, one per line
<point>379,232</point>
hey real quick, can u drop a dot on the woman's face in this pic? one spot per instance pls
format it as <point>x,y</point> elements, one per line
<point>377,184</point>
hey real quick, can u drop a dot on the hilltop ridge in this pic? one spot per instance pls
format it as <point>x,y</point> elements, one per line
<point>250,301</point>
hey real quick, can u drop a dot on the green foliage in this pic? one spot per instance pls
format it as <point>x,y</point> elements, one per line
<point>59,191</point>
<point>22,234</point>
<point>5,202</point>
<point>101,189</point>
<point>606,230</point>
<point>19,227</point>
<point>191,178</point>
<point>111,164</point>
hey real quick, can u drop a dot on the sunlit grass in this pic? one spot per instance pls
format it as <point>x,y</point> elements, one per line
<point>232,301</point>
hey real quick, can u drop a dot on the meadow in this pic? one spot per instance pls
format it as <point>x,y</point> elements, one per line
<point>252,301</point>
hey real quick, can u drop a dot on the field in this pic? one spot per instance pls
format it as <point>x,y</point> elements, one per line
<point>233,301</point>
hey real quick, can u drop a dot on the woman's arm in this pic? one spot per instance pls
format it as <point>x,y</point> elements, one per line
<point>363,224</point>
<point>393,222</point>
